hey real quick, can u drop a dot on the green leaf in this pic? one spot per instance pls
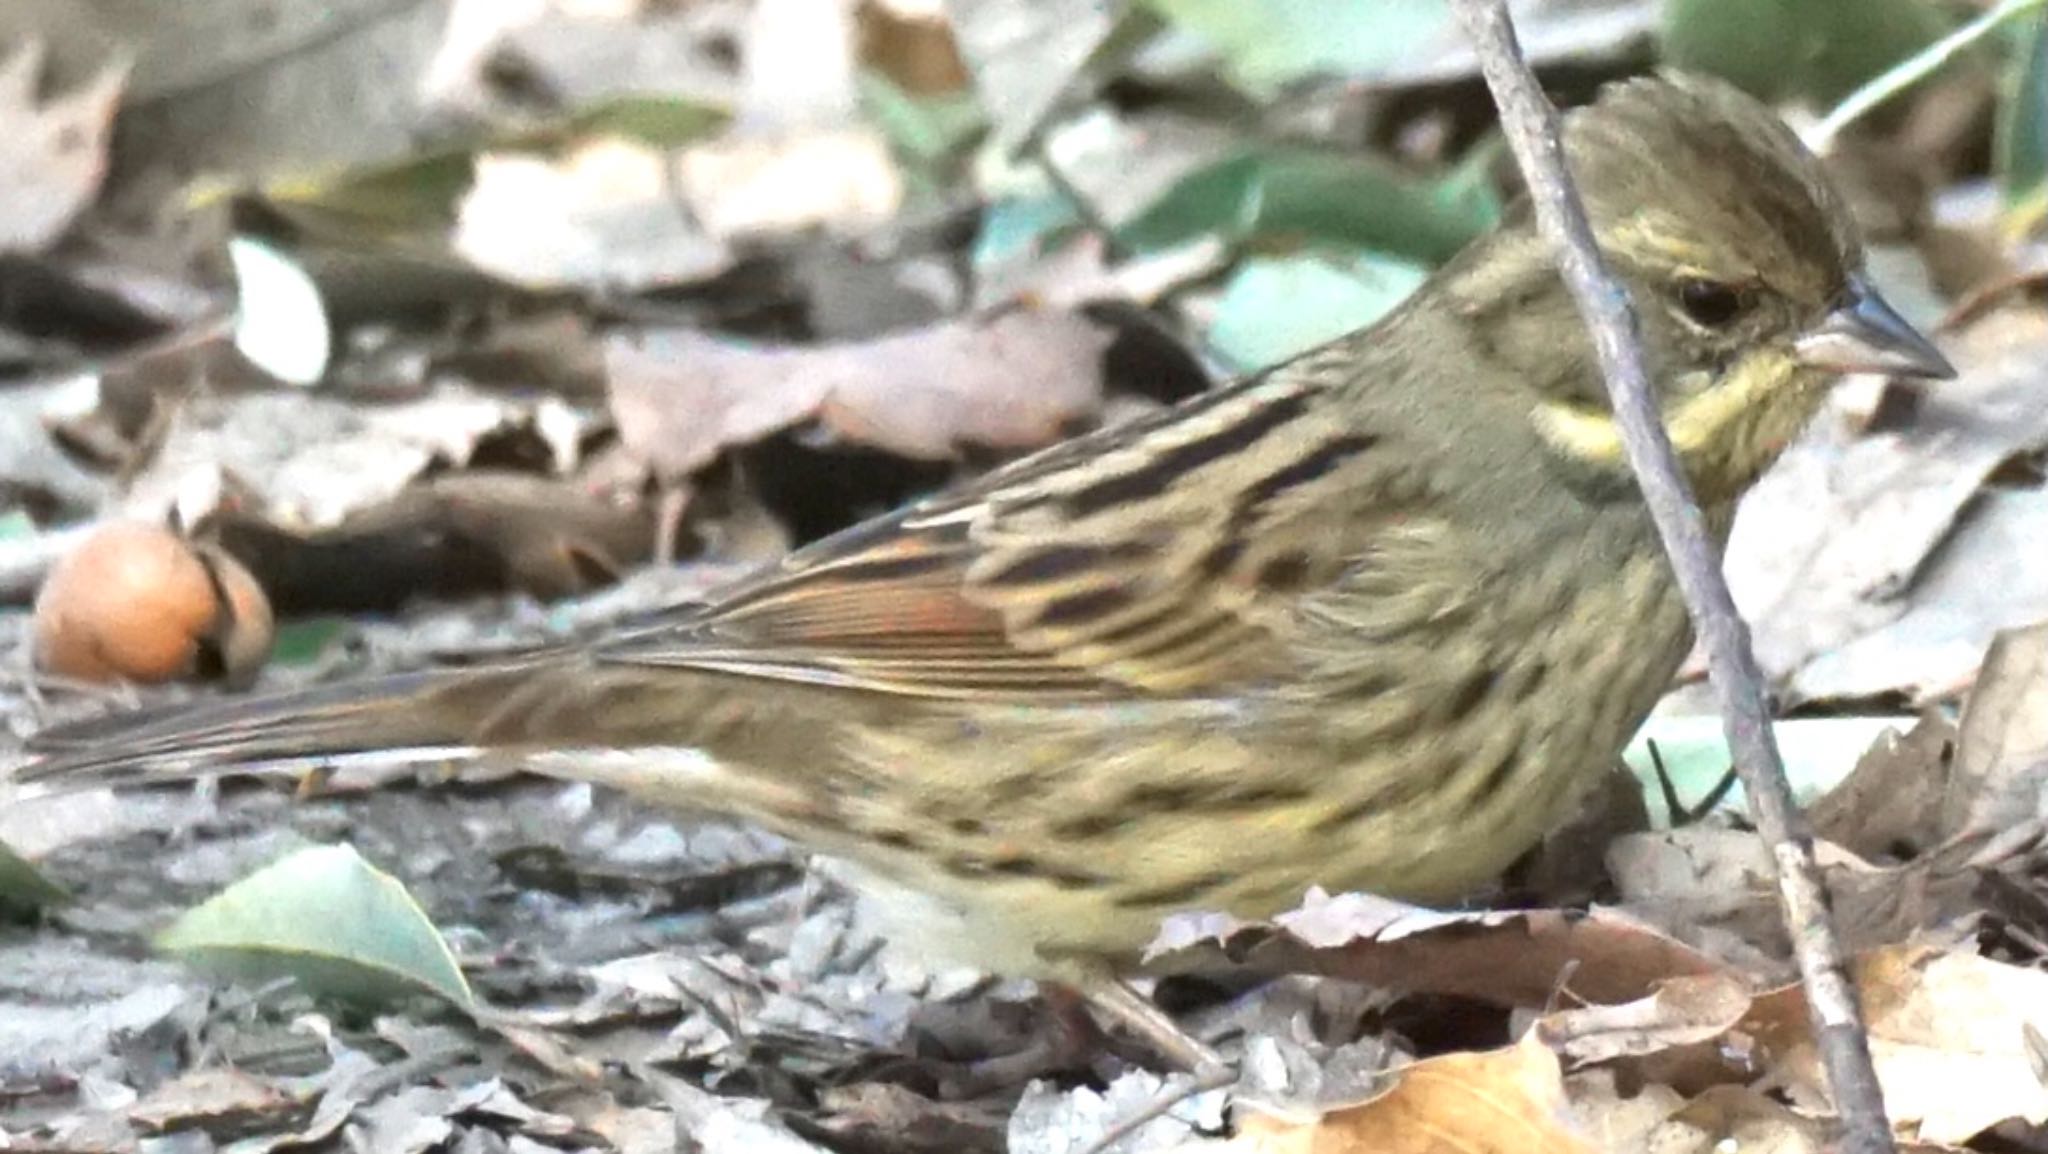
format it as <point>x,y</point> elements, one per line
<point>1345,199</point>
<point>304,642</point>
<point>657,121</point>
<point>1273,43</point>
<point>1818,50</point>
<point>1015,227</point>
<point>23,888</point>
<point>928,130</point>
<point>1818,752</point>
<point>1275,308</point>
<point>2022,139</point>
<point>328,919</point>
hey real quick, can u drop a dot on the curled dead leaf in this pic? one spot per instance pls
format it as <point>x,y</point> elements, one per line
<point>1017,379</point>
<point>1683,1011</point>
<point>1506,957</point>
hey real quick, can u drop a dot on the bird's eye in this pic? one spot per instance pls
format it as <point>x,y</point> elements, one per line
<point>1710,303</point>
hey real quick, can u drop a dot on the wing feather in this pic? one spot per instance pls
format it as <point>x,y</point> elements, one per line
<point>1153,558</point>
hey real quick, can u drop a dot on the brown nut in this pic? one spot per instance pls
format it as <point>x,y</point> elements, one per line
<point>136,602</point>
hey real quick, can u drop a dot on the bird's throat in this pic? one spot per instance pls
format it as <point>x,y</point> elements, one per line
<point>1726,434</point>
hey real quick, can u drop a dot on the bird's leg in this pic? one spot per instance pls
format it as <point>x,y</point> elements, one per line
<point>1071,1037</point>
<point>1136,1013</point>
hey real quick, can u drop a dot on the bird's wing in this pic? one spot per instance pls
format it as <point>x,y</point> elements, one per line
<point>1157,557</point>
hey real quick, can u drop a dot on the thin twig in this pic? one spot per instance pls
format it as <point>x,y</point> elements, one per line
<point>1912,70</point>
<point>1533,132</point>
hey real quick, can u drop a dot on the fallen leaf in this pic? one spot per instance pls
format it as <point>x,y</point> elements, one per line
<point>1681,1012</point>
<point>23,888</point>
<point>1892,800</point>
<point>1720,1120</point>
<point>1511,1101</point>
<point>1018,379</point>
<point>1026,57</point>
<point>1507,957</point>
<point>370,943</point>
<point>53,153</point>
<point>1852,534</point>
<point>602,216</point>
<point>840,180</point>
<point>306,459</point>
<point>2002,743</point>
<point>1985,578</point>
<point>1947,1035</point>
<point>217,1100</point>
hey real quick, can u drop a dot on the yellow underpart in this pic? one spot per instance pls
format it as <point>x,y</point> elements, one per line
<point>1695,422</point>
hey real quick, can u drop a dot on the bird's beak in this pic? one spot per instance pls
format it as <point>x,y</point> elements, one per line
<point>1865,335</point>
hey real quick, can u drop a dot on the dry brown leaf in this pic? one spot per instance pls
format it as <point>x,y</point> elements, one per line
<point>1722,1118</point>
<point>1846,538</point>
<point>1714,888</point>
<point>1683,1011</point>
<point>911,42</point>
<point>53,153</point>
<point>1893,798</point>
<point>1018,379</point>
<point>1510,1101</point>
<point>1619,1122</point>
<point>2003,740</point>
<point>1947,1034</point>
<point>309,460</point>
<point>1508,957</point>
<point>214,1099</point>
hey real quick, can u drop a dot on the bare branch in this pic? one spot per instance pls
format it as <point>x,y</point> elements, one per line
<point>1533,132</point>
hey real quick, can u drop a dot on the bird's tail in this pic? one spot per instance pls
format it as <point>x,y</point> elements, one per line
<point>389,715</point>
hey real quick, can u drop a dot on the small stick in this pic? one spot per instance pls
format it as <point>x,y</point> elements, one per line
<point>1533,132</point>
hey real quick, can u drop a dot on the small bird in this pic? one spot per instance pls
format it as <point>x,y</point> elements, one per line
<point>1373,619</point>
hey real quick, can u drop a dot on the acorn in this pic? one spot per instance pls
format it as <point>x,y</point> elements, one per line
<point>136,602</point>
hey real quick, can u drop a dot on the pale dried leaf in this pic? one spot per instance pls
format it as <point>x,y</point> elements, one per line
<point>1985,578</point>
<point>1721,1119</point>
<point>605,215</point>
<point>842,180</point>
<point>1683,1011</point>
<point>2003,740</point>
<point>1509,1100</point>
<point>1016,380</point>
<point>53,153</point>
<point>220,1099</point>
<point>306,460</point>
<point>1947,1034</point>
<point>1024,56</point>
<point>1834,545</point>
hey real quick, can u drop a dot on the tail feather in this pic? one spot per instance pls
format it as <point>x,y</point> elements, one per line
<point>270,732</point>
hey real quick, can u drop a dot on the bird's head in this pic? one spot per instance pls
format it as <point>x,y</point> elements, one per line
<point>1746,271</point>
